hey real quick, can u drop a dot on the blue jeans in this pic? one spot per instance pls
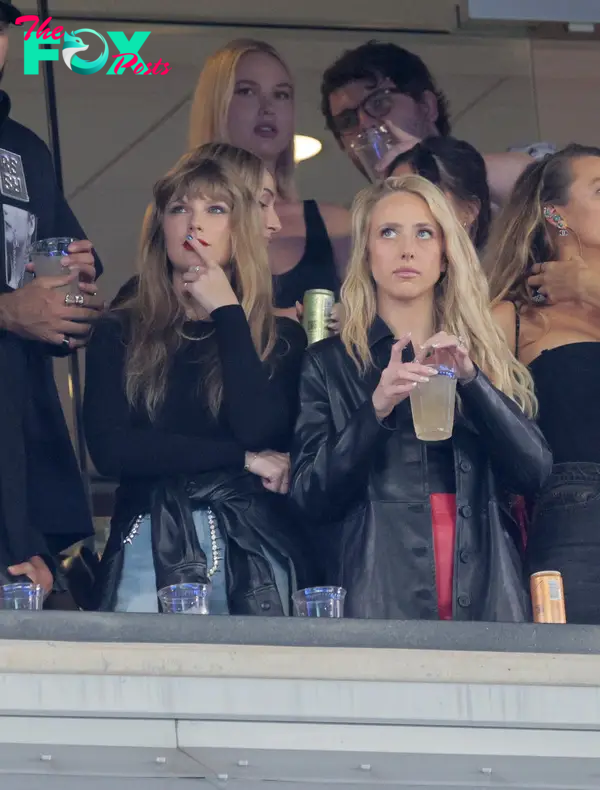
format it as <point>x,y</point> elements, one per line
<point>137,588</point>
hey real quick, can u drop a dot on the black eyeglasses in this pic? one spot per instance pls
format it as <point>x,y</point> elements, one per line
<point>376,105</point>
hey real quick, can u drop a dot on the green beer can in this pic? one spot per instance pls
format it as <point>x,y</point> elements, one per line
<point>318,306</point>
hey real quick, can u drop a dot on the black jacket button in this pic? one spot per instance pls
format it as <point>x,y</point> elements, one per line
<point>465,511</point>
<point>464,600</point>
<point>465,555</point>
<point>265,606</point>
<point>465,466</point>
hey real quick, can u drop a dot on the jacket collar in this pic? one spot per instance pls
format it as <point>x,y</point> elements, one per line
<point>379,331</point>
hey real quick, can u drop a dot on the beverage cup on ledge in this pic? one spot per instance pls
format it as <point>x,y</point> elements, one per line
<point>189,598</point>
<point>319,602</point>
<point>21,597</point>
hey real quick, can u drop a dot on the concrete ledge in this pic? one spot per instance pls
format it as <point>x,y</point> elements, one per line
<point>300,632</point>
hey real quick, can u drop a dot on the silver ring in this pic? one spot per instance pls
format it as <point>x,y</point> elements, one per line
<point>461,340</point>
<point>196,269</point>
<point>74,299</point>
<point>66,342</point>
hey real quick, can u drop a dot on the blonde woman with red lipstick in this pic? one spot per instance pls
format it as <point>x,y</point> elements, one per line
<point>191,389</point>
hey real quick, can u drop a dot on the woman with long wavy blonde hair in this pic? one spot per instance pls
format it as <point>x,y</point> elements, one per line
<point>543,261</point>
<point>191,395</point>
<point>416,529</point>
<point>245,96</point>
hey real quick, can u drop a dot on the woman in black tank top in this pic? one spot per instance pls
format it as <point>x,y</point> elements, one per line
<point>543,261</point>
<point>248,84</point>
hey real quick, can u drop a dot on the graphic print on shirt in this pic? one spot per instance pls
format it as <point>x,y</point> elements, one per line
<point>19,235</point>
<point>12,176</point>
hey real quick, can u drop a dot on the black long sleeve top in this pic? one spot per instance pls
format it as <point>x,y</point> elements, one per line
<point>257,413</point>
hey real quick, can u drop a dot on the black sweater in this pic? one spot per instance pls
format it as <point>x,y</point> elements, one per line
<point>258,410</point>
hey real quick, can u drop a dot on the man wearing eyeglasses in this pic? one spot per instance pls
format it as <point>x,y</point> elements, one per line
<point>384,83</point>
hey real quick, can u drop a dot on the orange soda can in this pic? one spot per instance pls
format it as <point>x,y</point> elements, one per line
<point>548,597</point>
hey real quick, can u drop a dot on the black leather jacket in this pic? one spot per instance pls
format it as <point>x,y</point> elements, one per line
<point>248,516</point>
<point>363,486</point>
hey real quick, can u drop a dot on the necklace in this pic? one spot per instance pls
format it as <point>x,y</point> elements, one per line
<point>212,528</point>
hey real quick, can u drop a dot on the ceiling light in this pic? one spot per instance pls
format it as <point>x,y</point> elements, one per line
<point>306,147</point>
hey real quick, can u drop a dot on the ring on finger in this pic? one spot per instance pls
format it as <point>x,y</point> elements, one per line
<point>195,269</point>
<point>74,299</point>
<point>66,343</point>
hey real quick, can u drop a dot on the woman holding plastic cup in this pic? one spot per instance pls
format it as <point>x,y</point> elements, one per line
<point>191,392</point>
<point>414,529</point>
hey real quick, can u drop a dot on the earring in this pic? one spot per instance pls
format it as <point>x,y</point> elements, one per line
<point>554,217</point>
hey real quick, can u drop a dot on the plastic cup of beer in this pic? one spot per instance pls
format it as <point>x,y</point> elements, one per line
<point>370,147</point>
<point>21,597</point>
<point>432,402</point>
<point>190,598</point>
<point>46,256</point>
<point>319,602</point>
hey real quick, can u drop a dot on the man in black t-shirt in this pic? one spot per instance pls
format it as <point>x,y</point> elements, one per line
<point>43,507</point>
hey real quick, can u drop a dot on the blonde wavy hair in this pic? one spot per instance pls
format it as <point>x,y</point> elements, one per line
<point>210,106</point>
<point>154,313</point>
<point>520,235</point>
<point>461,301</point>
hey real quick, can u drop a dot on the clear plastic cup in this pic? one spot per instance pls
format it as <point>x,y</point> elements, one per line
<point>432,405</point>
<point>46,256</point>
<point>370,146</point>
<point>21,597</point>
<point>188,598</point>
<point>319,602</point>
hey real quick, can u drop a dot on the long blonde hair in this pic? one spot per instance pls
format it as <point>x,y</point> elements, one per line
<point>210,106</point>
<point>154,313</point>
<point>461,302</point>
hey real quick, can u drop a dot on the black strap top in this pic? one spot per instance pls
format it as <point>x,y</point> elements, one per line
<point>316,268</point>
<point>567,385</point>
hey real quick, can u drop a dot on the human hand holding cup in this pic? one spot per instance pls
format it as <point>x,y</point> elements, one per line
<point>433,402</point>
<point>399,379</point>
